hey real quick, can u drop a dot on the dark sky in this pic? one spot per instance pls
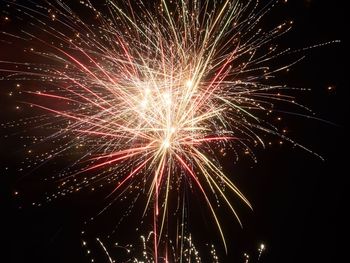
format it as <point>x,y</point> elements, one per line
<point>299,200</point>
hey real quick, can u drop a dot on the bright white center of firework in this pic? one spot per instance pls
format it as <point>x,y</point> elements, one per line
<point>144,103</point>
<point>147,91</point>
<point>166,143</point>
<point>189,83</point>
<point>167,98</point>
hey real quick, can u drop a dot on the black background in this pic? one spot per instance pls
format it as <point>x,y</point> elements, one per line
<point>299,200</point>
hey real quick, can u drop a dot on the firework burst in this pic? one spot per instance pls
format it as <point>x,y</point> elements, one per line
<point>150,94</point>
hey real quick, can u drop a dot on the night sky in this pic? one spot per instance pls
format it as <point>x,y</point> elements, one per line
<point>298,200</point>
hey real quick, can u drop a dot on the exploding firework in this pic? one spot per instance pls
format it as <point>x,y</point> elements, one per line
<point>148,96</point>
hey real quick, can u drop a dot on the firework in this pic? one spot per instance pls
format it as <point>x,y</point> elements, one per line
<point>182,250</point>
<point>150,96</point>
<point>185,252</point>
